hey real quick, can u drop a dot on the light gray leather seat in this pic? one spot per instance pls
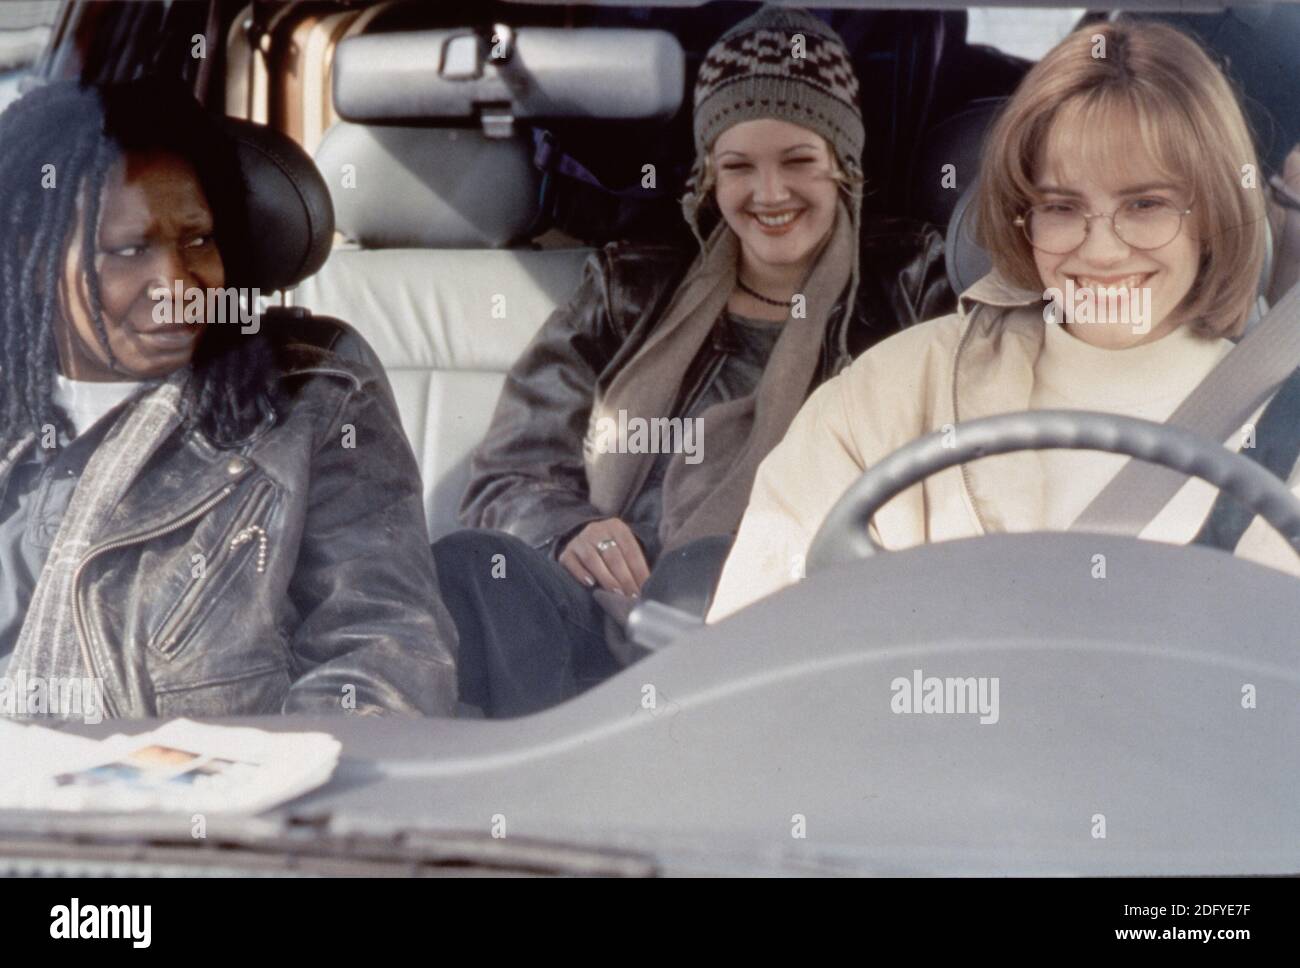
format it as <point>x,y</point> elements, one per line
<point>426,277</point>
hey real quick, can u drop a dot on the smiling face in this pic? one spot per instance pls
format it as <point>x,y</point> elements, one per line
<point>777,191</point>
<point>155,229</point>
<point>1077,167</point>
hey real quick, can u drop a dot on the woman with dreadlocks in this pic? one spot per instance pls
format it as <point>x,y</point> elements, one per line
<point>195,518</point>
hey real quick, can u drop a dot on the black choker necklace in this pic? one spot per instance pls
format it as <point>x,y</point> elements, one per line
<point>760,297</point>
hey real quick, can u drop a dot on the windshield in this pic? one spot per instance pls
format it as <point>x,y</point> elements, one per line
<point>650,438</point>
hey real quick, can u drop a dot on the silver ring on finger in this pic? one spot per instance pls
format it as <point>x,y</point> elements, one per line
<point>605,544</point>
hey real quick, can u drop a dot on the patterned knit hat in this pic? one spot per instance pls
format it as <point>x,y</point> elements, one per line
<point>759,69</point>
<point>780,63</point>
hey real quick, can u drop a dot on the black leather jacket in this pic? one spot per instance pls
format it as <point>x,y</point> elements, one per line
<point>528,476</point>
<point>344,614</point>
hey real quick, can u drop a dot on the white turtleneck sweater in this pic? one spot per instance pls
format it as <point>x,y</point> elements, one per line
<point>1148,381</point>
<point>86,401</point>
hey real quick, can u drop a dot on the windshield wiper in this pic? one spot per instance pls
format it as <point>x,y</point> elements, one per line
<point>46,844</point>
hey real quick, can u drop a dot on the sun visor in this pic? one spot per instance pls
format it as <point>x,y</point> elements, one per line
<point>503,75</point>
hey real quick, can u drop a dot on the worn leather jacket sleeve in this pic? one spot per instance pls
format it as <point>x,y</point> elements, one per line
<point>372,624</point>
<point>903,263</point>
<point>528,477</point>
<point>926,280</point>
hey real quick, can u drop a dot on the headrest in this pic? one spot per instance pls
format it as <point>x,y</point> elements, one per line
<point>447,188</point>
<point>288,206</point>
<point>1256,47</point>
<point>945,196</point>
<point>967,262</point>
<point>957,140</point>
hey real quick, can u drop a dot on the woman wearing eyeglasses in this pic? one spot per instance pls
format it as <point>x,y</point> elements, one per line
<point>1120,202</point>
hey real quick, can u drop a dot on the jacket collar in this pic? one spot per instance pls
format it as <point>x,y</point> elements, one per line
<point>14,455</point>
<point>152,500</point>
<point>993,373</point>
<point>194,473</point>
<point>996,290</point>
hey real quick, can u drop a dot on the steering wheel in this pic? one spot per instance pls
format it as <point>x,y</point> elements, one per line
<point>844,536</point>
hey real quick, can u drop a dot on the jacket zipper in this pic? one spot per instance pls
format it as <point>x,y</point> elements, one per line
<point>83,639</point>
<point>956,419</point>
<point>240,532</point>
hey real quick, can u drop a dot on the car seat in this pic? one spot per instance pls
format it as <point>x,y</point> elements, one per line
<point>427,280</point>
<point>437,196</point>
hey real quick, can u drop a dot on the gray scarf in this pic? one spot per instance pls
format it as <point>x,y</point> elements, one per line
<point>48,645</point>
<point>709,497</point>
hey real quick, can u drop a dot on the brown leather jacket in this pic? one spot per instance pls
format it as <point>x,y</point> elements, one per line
<point>528,476</point>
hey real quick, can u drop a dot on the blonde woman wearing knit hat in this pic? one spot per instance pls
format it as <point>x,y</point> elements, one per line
<point>727,341</point>
<point>1114,173</point>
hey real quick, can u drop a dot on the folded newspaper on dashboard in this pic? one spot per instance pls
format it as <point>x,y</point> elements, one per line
<point>182,766</point>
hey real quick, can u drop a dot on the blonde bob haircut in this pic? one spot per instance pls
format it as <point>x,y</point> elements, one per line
<point>1152,79</point>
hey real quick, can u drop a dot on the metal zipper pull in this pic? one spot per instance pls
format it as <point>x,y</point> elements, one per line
<point>245,535</point>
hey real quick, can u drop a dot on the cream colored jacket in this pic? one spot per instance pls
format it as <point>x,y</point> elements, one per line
<point>972,363</point>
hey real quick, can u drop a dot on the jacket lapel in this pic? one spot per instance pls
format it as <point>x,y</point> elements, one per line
<point>49,645</point>
<point>188,471</point>
<point>11,457</point>
<point>993,373</point>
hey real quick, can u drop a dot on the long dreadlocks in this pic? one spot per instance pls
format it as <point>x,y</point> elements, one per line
<point>57,144</point>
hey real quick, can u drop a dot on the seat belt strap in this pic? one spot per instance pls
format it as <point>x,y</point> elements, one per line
<point>1277,439</point>
<point>1218,407</point>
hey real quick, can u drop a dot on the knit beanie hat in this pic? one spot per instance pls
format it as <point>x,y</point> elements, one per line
<point>780,63</point>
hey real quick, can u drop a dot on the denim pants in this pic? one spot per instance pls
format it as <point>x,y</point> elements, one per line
<point>530,635</point>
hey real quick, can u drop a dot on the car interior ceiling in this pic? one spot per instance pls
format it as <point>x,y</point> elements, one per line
<point>922,85</point>
<point>915,64</point>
